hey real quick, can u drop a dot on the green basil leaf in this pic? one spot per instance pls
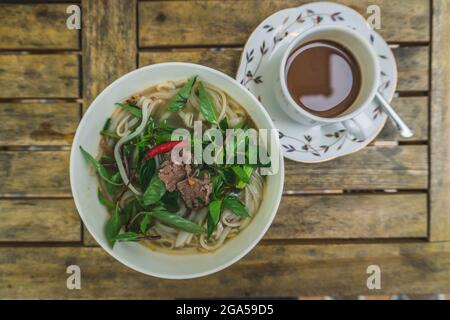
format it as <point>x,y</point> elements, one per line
<point>235,205</point>
<point>112,227</point>
<point>215,209</point>
<point>243,173</point>
<point>217,182</point>
<point>131,109</point>
<point>240,125</point>
<point>104,201</point>
<point>127,236</point>
<point>116,180</point>
<point>181,98</point>
<point>145,224</point>
<point>210,226</point>
<point>101,170</point>
<point>154,191</point>
<point>146,172</point>
<point>107,124</point>
<point>170,201</point>
<point>207,107</point>
<point>176,221</point>
<point>223,124</point>
<point>130,210</point>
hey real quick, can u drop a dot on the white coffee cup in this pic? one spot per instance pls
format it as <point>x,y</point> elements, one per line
<point>353,119</point>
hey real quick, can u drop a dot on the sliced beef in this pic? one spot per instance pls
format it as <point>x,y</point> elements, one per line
<point>195,192</point>
<point>171,173</point>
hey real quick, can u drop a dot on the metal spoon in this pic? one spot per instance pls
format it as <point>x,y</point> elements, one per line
<point>405,131</point>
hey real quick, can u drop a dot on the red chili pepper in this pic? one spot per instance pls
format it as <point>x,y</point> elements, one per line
<point>164,147</point>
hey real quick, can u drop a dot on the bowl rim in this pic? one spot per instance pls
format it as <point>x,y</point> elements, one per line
<point>76,197</point>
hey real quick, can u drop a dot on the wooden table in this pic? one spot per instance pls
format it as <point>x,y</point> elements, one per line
<point>387,205</point>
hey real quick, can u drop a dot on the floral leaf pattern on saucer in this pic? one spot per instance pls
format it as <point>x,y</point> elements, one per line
<point>338,140</point>
<point>377,112</point>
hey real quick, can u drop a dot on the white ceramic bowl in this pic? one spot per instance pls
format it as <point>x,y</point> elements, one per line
<point>94,215</point>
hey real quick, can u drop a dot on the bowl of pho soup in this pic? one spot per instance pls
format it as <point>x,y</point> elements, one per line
<point>175,170</point>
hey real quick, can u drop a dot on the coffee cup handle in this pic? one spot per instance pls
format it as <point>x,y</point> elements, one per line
<point>355,129</point>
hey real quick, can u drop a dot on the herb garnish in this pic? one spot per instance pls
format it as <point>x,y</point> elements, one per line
<point>181,98</point>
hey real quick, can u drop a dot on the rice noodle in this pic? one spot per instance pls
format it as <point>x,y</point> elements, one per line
<point>229,219</point>
<point>187,117</point>
<point>217,244</point>
<point>220,99</point>
<point>196,216</point>
<point>147,106</point>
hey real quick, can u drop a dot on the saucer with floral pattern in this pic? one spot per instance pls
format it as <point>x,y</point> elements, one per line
<point>261,59</point>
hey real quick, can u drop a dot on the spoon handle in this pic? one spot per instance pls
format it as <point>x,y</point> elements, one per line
<point>405,131</point>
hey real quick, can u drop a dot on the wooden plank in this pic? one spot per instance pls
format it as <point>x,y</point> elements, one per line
<point>38,124</point>
<point>268,270</point>
<point>40,173</point>
<point>175,23</point>
<point>39,220</point>
<point>396,167</point>
<point>37,26</point>
<point>412,63</point>
<point>225,60</point>
<point>109,43</point>
<point>39,76</point>
<point>88,239</point>
<point>414,111</point>
<point>440,125</point>
<point>351,216</point>
<point>413,66</point>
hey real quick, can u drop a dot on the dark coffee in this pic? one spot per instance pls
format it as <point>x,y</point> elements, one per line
<point>323,78</point>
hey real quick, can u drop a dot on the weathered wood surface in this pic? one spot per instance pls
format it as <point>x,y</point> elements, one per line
<point>413,66</point>
<point>88,239</point>
<point>397,167</point>
<point>39,220</point>
<point>267,271</point>
<point>39,26</point>
<point>109,43</point>
<point>440,125</point>
<point>176,23</point>
<point>38,124</point>
<point>38,173</point>
<point>39,76</point>
<point>283,265</point>
<point>350,216</point>
<point>225,60</point>
<point>412,62</point>
<point>415,112</point>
